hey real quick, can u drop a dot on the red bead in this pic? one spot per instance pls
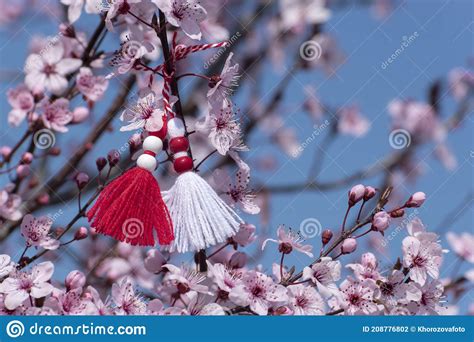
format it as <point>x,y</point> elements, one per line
<point>183,164</point>
<point>179,144</point>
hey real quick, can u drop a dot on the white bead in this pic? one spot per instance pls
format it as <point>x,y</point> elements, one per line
<point>180,154</point>
<point>176,128</point>
<point>153,144</point>
<point>147,162</point>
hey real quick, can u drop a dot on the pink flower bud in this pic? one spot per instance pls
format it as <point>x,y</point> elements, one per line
<point>369,193</point>
<point>154,260</point>
<point>134,143</point>
<point>81,179</point>
<point>22,171</point>
<point>356,194</point>
<point>416,200</point>
<point>238,260</point>
<point>113,157</point>
<point>43,199</point>
<point>27,158</point>
<point>80,114</point>
<point>326,236</point>
<point>81,233</point>
<point>54,151</point>
<point>5,151</point>
<point>74,280</point>
<point>349,245</point>
<point>245,235</point>
<point>381,221</point>
<point>397,213</point>
<point>100,163</point>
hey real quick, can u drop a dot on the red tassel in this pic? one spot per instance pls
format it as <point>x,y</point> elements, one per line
<point>130,207</point>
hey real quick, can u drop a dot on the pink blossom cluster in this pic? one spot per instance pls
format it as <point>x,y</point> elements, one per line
<point>411,286</point>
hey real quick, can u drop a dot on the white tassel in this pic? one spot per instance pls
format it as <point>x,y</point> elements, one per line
<point>200,217</point>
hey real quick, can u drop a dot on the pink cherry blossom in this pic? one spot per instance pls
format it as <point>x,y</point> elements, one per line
<point>127,260</point>
<point>422,257</point>
<point>115,8</point>
<point>357,297</point>
<point>324,275</point>
<point>246,235</point>
<point>20,286</point>
<point>147,113</point>
<point>154,261</point>
<point>92,87</point>
<point>221,85</point>
<point>429,303</point>
<point>462,245</point>
<point>186,14</point>
<point>324,53</point>
<point>56,115</point>
<point>6,266</point>
<point>35,231</point>
<point>101,307</point>
<point>258,291</point>
<point>395,290</point>
<point>75,8</point>
<point>47,71</point>
<point>312,103</point>
<point>198,306</point>
<point>125,299</point>
<point>367,269</point>
<point>289,240</point>
<point>225,279</point>
<point>11,10</point>
<point>295,14</point>
<point>71,303</point>
<point>305,300</point>
<point>351,122</point>
<point>224,131</point>
<point>461,82</point>
<point>181,280</point>
<point>129,54</point>
<point>22,102</point>
<point>10,206</point>
<point>419,119</point>
<point>237,193</point>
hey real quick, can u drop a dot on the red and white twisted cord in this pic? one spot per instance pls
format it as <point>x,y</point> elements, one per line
<point>166,92</point>
<point>182,51</point>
